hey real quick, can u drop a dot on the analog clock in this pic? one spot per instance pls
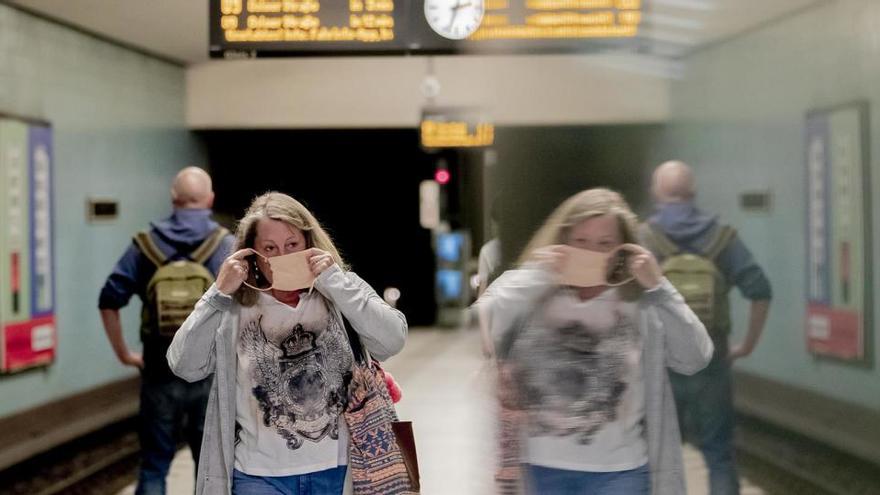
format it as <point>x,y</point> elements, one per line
<point>454,19</point>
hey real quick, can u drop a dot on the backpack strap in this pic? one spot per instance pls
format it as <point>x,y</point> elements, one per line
<point>659,241</point>
<point>209,246</point>
<point>144,241</point>
<point>723,236</point>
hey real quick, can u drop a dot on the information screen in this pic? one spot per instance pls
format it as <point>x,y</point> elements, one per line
<point>277,28</point>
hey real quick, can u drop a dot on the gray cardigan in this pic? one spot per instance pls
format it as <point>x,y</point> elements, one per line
<point>672,336</point>
<point>204,345</point>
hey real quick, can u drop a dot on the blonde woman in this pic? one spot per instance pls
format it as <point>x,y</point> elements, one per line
<point>280,359</point>
<point>587,366</point>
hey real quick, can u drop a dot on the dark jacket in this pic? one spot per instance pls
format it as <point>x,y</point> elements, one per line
<point>176,236</point>
<point>691,230</point>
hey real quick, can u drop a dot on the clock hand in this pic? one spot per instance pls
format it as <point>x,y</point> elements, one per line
<point>454,14</point>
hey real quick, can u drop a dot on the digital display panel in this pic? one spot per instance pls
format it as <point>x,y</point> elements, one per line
<point>273,28</point>
<point>455,127</point>
<point>449,246</point>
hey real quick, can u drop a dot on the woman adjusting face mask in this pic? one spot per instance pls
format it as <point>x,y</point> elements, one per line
<point>286,272</point>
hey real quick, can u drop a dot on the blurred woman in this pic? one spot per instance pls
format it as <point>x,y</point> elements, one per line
<point>587,365</point>
<point>281,359</point>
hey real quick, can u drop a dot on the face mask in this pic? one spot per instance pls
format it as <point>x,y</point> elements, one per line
<point>585,268</point>
<point>289,272</point>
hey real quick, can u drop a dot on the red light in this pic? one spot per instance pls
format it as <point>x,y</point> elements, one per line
<point>442,176</point>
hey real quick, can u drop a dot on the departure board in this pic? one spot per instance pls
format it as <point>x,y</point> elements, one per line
<point>266,28</point>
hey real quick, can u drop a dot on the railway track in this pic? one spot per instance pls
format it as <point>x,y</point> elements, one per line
<point>100,463</point>
<point>783,463</point>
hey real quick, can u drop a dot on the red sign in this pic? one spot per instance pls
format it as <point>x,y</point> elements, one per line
<point>834,332</point>
<point>29,344</point>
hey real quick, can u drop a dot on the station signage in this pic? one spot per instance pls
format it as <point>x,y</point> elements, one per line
<point>277,28</point>
<point>455,127</point>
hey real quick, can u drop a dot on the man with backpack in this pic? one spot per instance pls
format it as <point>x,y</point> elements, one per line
<point>169,267</point>
<point>704,259</point>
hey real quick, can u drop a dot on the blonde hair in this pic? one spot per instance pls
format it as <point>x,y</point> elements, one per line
<point>582,206</point>
<point>281,207</point>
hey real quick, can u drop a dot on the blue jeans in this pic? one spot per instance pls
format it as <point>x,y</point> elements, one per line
<point>169,408</point>
<point>327,482</point>
<point>549,481</point>
<point>705,415</point>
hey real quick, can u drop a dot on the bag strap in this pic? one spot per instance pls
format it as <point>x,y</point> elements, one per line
<point>723,236</point>
<point>657,239</point>
<point>209,246</point>
<point>361,355</point>
<point>148,247</point>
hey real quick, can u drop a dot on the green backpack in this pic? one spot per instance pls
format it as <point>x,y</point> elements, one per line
<point>177,286</point>
<point>696,276</point>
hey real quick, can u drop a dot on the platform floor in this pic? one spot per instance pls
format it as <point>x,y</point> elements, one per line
<point>446,392</point>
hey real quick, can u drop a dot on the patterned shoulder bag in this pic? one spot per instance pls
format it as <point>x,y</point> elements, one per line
<point>382,454</point>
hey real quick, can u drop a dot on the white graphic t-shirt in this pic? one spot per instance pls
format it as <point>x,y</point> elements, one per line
<point>290,391</point>
<point>579,372</point>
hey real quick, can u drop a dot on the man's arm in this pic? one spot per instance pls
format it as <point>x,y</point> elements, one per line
<point>740,267</point>
<point>117,291</point>
<point>757,318</point>
<point>113,328</point>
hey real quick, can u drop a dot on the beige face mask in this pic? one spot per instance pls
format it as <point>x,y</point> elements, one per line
<point>585,268</point>
<point>288,272</point>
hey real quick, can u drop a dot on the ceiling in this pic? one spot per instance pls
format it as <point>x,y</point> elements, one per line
<point>178,29</point>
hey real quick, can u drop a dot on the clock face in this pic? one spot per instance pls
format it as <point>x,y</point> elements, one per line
<point>454,19</point>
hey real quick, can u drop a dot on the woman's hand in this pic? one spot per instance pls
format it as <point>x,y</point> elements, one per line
<point>233,271</point>
<point>644,267</point>
<point>320,260</point>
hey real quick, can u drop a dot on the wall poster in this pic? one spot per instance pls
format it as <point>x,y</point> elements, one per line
<point>27,282</point>
<point>838,319</point>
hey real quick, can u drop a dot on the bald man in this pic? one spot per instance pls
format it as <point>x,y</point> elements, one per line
<point>168,404</point>
<point>704,401</point>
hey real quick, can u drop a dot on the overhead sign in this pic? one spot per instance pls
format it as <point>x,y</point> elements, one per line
<point>455,127</point>
<point>456,134</point>
<point>559,19</point>
<point>272,28</point>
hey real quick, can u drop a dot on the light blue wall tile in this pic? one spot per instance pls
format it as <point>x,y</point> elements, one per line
<point>739,116</point>
<point>119,132</point>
